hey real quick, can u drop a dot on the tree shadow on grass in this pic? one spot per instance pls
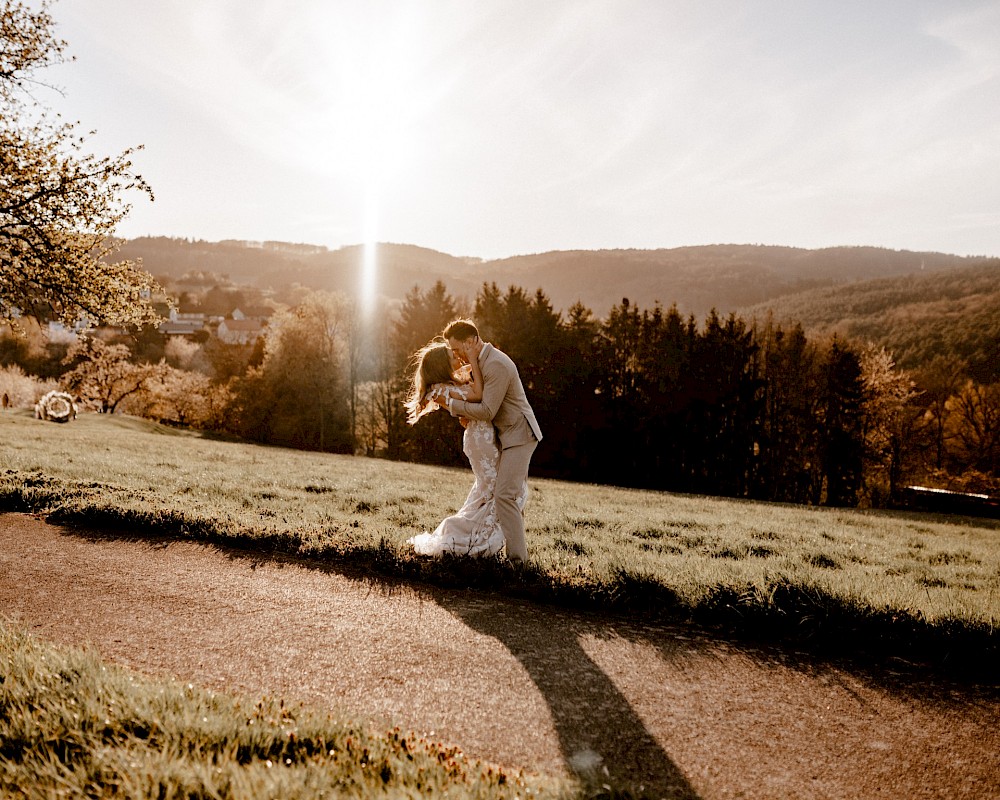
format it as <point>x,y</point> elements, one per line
<point>602,738</point>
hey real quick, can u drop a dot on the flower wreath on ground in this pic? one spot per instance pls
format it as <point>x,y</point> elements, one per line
<point>56,406</point>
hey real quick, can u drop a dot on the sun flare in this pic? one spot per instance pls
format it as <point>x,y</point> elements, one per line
<point>369,263</point>
<point>374,100</point>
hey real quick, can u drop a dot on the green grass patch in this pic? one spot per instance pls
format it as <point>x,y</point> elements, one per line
<point>72,726</point>
<point>847,582</point>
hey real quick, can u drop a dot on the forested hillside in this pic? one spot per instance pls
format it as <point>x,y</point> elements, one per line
<point>953,313</point>
<point>697,279</point>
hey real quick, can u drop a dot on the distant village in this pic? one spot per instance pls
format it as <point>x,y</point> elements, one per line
<point>240,327</point>
<point>245,323</point>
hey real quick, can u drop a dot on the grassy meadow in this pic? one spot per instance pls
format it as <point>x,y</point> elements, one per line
<point>846,582</point>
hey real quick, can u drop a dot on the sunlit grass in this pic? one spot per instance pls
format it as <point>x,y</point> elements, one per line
<point>72,726</point>
<point>854,580</point>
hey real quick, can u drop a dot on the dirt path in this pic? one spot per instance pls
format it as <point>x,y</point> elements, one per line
<point>523,685</point>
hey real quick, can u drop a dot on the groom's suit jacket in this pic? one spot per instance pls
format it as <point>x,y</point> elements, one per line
<point>504,401</point>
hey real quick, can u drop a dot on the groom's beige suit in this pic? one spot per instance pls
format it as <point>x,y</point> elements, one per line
<point>505,403</point>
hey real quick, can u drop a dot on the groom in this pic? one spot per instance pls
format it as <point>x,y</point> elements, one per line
<point>506,406</point>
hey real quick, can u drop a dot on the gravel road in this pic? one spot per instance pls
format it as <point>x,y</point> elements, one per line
<point>528,686</point>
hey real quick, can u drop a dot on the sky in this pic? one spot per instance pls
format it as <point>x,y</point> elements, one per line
<point>492,128</point>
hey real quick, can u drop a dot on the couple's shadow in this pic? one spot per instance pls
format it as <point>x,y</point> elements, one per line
<point>602,738</point>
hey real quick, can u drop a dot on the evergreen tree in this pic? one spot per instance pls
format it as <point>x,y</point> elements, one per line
<point>789,466</point>
<point>422,317</point>
<point>842,434</point>
<point>663,397</point>
<point>574,421</point>
<point>617,352</point>
<point>489,312</point>
<point>437,437</point>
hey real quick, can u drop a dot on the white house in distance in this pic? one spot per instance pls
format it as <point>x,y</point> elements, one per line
<point>182,324</point>
<point>239,331</point>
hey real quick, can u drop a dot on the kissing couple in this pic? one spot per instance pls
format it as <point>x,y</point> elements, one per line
<point>480,385</point>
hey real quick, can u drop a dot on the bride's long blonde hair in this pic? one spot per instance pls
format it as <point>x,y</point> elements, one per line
<point>432,364</point>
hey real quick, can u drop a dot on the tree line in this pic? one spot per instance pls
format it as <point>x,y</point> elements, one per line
<point>642,397</point>
<point>652,399</point>
<point>745,408</point>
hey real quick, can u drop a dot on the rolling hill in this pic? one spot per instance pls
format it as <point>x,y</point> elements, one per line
<point>697,279</point>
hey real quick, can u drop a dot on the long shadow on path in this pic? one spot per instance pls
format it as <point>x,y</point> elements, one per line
<point>602,738</point>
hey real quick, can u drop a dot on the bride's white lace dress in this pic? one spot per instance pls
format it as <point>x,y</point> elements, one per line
<point>473,530</point>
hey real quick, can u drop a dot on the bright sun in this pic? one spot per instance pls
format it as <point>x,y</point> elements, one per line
<point>374,98</point>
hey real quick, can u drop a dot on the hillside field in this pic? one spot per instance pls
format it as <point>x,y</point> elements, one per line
<point>917,586</point>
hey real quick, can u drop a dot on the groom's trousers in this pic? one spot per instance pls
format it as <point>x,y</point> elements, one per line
<point>512,472</point>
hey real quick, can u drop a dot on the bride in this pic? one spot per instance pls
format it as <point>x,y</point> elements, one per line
<point>473,530</point>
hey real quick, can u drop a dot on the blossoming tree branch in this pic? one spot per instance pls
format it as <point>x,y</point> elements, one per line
<point>59,205</point>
